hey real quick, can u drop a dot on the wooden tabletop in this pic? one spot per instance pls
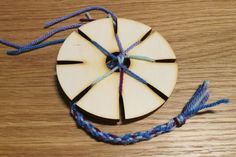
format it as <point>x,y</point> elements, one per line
<point>35,120</point>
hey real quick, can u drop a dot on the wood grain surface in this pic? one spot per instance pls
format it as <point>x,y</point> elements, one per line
<point>35,121</point>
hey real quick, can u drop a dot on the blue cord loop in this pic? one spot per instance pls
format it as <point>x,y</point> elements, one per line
<point>81,11</point>
<point>32,45</point>
<point>192,107</point>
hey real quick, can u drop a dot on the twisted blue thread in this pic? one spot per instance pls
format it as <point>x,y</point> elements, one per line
<point>10,44</point>
<point>195,104</point>
<point>81,11</point>
<point>103,50</point>
<point>35,44</point>
<point>34,47</point>
<point>53,32</point>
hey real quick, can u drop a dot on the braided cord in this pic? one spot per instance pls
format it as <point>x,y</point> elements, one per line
<point>190,109</point>
<point>193,106</point>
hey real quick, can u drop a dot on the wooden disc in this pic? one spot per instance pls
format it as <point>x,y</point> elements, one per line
<point>80,63</point>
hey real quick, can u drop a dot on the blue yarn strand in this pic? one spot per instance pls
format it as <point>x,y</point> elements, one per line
<point>81,11</point>
<point>9,44</point>
<point>34,47</point>
<point>35,44</point>
<point>53,32</point>
<point>103,50</point>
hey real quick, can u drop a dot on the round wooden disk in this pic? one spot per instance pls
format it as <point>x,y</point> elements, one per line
<point>80,63</point>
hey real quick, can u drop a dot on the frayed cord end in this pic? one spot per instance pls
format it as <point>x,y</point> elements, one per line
<point>180,119</point>
<point>198,102</point>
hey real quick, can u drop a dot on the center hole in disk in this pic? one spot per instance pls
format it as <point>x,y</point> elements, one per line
<point>111,63</point>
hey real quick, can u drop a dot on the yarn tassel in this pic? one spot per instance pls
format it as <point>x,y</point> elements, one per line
<point>192,107</point>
